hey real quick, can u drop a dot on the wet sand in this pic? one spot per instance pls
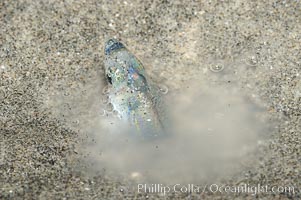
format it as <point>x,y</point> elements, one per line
<point>56,47</point>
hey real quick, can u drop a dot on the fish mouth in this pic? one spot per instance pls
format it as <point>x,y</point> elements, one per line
<point>112,45</point>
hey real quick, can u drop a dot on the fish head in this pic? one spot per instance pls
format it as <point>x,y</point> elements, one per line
<point>122,68</point>
<point>112,45</point>
<point>130,92</point>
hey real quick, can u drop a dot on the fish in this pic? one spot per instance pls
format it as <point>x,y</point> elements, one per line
<point>132,95</point>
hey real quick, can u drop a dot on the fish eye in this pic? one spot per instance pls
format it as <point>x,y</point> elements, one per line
<point>109,79</point>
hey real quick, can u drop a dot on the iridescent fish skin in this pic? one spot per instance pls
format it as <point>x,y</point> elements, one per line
<point>131,94</point>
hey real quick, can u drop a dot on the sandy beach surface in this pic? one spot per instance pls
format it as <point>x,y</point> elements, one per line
<point>51,61</point>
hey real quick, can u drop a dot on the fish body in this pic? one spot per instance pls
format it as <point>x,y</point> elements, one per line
<point>131,94</point>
